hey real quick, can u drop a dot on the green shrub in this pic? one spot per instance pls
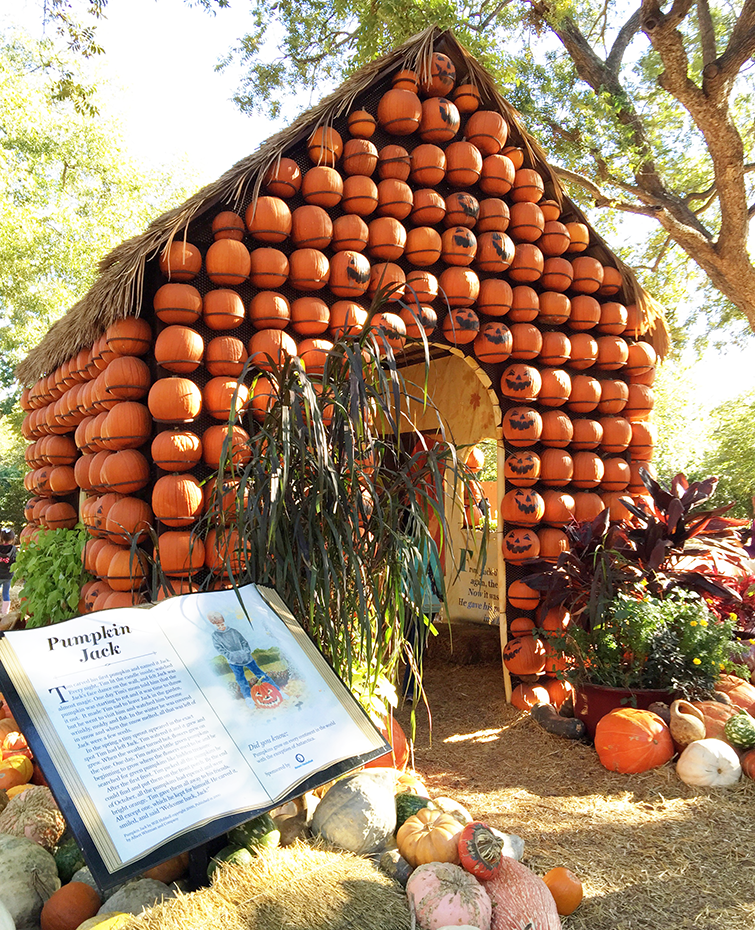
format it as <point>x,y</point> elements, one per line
<point>52,571</point>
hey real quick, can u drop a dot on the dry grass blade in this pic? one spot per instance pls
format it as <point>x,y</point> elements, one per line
<point>298,888</point>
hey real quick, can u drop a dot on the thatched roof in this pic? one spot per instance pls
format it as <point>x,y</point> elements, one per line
<point>117,291</point>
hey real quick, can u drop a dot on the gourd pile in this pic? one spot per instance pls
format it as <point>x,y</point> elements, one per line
<point>455,870</point>
<point>714,740</point>
<point>424,188</point>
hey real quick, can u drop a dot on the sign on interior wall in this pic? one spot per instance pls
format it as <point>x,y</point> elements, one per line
<point>472,594</point>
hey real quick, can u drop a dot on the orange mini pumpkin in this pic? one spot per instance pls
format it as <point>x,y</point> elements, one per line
<point>566,889</point>
<point>69,906</point>
<point>429,836</point>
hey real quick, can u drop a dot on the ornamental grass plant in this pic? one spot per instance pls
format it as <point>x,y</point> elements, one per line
<point>335,496</point>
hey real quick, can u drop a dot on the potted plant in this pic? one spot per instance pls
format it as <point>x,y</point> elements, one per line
<point>640,628</point>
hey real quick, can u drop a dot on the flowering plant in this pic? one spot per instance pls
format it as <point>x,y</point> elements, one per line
<point>673,644</point>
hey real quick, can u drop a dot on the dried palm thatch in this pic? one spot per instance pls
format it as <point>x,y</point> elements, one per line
<point>118,290</point>
<point>300,887</point>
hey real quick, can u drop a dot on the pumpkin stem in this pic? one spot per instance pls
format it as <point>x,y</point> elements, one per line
<point>489,846</point>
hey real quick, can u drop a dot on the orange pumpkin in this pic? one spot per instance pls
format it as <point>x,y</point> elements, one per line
<point>524,655</point>
<point>223,308</point>
<point>740,692</point>
<point>519,545</point>
<point>566,889</point>
<point>715,716</point>
<point>522,596</point>
<point>522,507</point>
<point>524,696</point>
<point>522,426</point>
<point>177,500</point>
<point>629,740</point>
<point>429,836</point>
<point>283,178</point>
<point>69,906</point>
<point>398,757</point>
<point>181,553</point>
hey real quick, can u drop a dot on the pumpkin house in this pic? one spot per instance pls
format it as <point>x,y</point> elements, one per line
<point>416,171</point>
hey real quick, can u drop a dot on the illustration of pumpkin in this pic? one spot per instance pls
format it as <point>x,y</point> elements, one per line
<point>265,694</point>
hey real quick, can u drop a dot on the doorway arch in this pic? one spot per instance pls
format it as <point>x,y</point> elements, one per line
<point>462,394</point>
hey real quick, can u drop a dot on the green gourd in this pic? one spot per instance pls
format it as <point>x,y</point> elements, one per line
<point>260,832</point>
<point>407,804</point>
<point>740,730</point>
<point>69,859</point>
<point>235,855</point>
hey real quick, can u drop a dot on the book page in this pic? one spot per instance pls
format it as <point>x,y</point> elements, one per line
<point>138,747</point>
<point>164,719</point>
<point>283,706</point>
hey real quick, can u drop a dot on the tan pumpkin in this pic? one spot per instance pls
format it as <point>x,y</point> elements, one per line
<point>429,836</point>
<point>715,716</point>
<point>740,692</point>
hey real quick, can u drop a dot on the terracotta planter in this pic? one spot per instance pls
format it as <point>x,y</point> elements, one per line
<point>591,702</point>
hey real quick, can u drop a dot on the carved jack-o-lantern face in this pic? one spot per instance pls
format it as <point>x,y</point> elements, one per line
<point>522,469</point>
<point>520,545</point>
<point>522,426</point>
<point>265,694</point>
<point>521,382</point>
<point>523,507</point>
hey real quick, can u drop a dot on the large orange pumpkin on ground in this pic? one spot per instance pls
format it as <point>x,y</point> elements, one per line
<point>629,740</point>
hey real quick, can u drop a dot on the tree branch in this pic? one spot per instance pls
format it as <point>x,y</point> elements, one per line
<point>627,32</point>
<point>603,200</point>
<point>710,112</point>
<point>493,15</point>
<point>740,47</point>
<point>707,32</point>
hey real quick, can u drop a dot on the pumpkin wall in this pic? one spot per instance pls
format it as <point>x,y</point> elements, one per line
<point>424,184</point>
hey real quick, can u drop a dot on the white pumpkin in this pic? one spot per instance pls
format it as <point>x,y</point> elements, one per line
<point>6,921</point>
<point>709,763</point>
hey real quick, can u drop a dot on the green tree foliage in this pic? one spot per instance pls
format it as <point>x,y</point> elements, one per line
<point>732,453</point>
<point>13,495</point>
<point>69,193</point>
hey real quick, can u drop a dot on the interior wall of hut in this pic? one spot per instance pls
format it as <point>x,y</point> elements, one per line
<point>459,393</point>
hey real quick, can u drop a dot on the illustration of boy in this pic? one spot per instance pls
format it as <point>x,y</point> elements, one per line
<point>236,650</point>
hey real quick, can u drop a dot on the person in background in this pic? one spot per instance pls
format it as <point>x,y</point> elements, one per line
<point>7,558</point>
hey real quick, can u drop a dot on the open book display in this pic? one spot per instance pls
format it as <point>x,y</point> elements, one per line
<point>159,729</point>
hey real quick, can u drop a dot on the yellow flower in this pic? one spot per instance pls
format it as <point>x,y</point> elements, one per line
<point>703,623</point>
<point>693,623</point>
<point>696,661</point>
<point>732,616</point>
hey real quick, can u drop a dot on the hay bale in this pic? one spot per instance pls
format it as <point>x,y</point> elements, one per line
<point>300,888</point>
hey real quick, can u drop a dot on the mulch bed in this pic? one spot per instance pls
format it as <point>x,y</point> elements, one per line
<point>652,853</point>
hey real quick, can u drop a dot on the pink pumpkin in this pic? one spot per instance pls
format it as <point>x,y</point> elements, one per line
<point>442,894</point>
<point>521,899</point>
